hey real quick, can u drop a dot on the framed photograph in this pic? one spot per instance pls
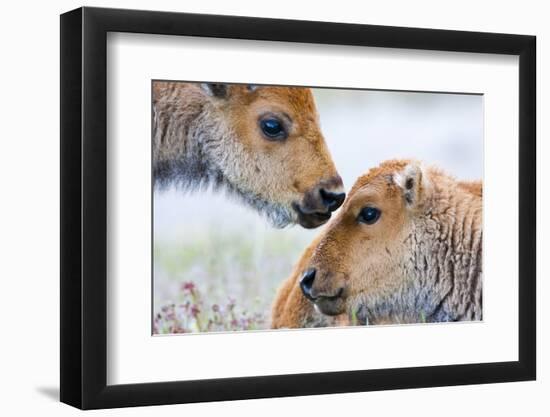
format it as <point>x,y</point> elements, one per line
<point>256,208</point>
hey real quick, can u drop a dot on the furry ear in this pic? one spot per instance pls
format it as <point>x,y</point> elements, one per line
<point>215,90</point>
<point>251,87</point>
<point>412,182</point>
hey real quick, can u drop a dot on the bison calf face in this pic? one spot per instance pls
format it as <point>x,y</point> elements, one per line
<point>360,253</point>
<point>273,153</point>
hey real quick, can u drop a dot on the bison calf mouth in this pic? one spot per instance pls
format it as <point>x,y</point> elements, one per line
<point>329,302</point>
<point>319,202</point>
<point>331,306</point>
<point>311,220</point>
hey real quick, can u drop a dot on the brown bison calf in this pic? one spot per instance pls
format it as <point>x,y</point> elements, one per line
<point>261,144</point>
<point>406,247</point>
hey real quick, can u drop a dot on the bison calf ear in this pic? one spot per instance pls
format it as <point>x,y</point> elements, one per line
<point>215,90</point>
<point>412,183</point>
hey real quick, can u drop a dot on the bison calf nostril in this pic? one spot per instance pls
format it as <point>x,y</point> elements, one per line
<point>306,283</point>
<point>332,200</point>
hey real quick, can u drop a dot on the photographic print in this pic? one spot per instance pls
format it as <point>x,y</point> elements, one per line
<point>353,198</point>
<point>281,207</point>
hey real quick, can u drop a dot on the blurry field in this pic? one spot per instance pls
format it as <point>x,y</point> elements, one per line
<point>226,266</point>
<point>217,264</point>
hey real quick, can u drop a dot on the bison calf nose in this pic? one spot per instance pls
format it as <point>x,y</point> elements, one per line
<point>332,200</point>
<point>306,283</point>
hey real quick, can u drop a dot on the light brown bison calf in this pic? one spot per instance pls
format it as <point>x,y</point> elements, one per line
<point>406,247</point>
<point>261,144</point>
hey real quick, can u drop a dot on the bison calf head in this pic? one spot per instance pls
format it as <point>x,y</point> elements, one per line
<point>362,255</point>
<point>267,148</point>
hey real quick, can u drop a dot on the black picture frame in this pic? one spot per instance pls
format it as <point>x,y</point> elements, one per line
<point>84,207</point>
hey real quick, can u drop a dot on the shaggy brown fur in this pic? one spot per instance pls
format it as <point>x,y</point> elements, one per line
<point>209,134</point>
<point>421,261</point>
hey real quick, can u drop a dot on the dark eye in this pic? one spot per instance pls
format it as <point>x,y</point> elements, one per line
<point>369,215</point>
<point>273,128</point>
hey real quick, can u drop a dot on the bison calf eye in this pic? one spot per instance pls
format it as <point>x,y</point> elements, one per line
<point>273,129</point>
<point>369,215</point>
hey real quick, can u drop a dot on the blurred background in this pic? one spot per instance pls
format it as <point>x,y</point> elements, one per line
<point>217,264</point>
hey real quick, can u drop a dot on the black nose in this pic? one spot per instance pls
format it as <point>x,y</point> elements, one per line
<point>332,200</point>
<point>306,283</point>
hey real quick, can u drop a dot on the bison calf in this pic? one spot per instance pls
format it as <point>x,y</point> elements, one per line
<point>261,144</point>
<point>406,247</point>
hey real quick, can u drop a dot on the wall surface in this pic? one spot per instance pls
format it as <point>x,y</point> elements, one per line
<point>29,214</point>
